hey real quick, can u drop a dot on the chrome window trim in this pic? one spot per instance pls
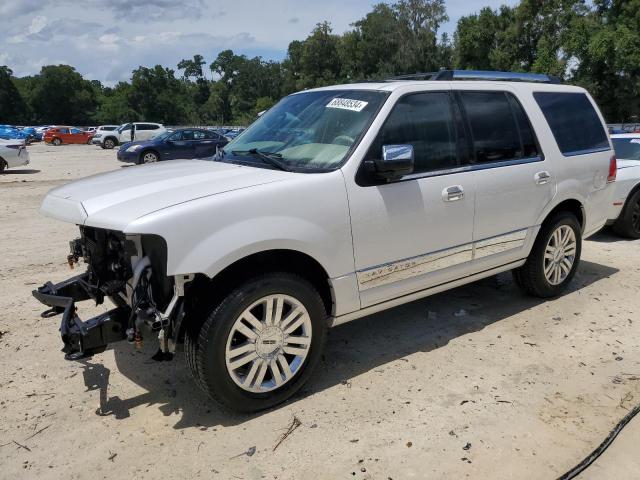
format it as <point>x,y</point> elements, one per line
<point>407,268</point>
<point>473,168</point>
<point>586,152</point>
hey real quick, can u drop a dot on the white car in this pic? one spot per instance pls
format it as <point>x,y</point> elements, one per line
<point>111,136</point>
<point>337,203</point>
<point>13,153</point>
<point>625,211</point>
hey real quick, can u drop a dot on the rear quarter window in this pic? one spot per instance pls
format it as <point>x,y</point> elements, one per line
<point>574,122</point>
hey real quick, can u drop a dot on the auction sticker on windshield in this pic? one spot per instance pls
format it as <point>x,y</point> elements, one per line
<point>347,104</point>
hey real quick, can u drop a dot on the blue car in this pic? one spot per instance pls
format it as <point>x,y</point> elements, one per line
<point>184,143</point>
<point>8,132</point>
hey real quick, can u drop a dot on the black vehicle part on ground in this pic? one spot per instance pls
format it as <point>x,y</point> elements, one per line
<point>108,256</point>
<point>81,339</point>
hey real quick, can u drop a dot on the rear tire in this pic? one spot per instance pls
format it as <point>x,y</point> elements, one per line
<point>628,223</point>
<point>279,355</point>
<point>3,165</point>
<point>554,258</point>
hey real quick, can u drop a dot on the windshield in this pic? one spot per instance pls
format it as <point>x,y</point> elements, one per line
<point>161,136</point>
<point>311,130</point>
<point>627,148</point>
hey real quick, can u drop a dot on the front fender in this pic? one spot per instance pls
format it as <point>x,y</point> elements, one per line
<point>308,214</point>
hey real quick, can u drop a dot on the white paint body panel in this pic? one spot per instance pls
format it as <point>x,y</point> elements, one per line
<point>378,244</point>
<point>627,178</point>
<point>13,157</point>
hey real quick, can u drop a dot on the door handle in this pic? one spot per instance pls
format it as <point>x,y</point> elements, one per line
<point>453,194</point>
<point>542,177</point>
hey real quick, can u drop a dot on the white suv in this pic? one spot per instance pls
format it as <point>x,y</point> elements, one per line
<point>337,203</point>
<point>110,136</point>
<point>625,210</point>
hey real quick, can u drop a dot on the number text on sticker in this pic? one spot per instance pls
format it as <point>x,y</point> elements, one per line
<point>347,104</point>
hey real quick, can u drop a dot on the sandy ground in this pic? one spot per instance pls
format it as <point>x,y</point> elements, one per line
<point>478,382</point>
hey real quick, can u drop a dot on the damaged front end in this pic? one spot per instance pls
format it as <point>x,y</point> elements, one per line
<point>131,271</point>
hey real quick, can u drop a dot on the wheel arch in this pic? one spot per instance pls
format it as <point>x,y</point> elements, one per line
<point>631,193</point>
<point>148,150</point>
<point>205,291</point>
<point>569,205</point>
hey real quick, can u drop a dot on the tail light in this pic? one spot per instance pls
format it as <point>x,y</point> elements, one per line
<point>613,169</point>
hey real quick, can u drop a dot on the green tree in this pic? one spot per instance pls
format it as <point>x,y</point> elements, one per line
<point>13,108</point>
<point>368,50</point>
<point>157,95</point>
<point>59,94</point>
<point>319,59</point>
<point>192,68</point>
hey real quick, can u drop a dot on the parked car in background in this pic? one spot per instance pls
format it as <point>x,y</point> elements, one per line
<point>10,132</point>
<point>66,135</point>
<point>13,153</point>
<point>337,203</point>
<point>184,143</point>
<point>625,211</point>
<point>40,131</point>
<point>122,134</point>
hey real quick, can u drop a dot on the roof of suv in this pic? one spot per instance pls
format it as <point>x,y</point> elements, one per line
<point>392,85</point>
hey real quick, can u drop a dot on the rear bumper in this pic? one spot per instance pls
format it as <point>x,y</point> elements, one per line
<point>80,338</point>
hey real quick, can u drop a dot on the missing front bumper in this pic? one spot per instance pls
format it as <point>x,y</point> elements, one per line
<point>81,339</point>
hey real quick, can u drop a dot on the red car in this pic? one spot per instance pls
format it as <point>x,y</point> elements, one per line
<point>60,135</point>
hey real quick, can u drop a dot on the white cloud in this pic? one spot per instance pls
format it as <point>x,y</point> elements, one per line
<point>109,38</point>
<point>37,24</point>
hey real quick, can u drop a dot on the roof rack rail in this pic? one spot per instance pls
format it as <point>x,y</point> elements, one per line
<point>448,75</point>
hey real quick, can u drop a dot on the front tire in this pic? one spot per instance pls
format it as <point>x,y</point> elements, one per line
<point>554,258</point>
<point>109,143</point>
<point>148,157</point>
<point>261,343</point>
<point>628,223</point>
<point>57,142</point>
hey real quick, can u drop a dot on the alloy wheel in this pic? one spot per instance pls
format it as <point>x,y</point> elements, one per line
<point>560,254</point>
<point>268,343</point>
<point>149,157</point>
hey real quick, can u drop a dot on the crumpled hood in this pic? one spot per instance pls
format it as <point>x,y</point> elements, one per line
<point>113,200</point>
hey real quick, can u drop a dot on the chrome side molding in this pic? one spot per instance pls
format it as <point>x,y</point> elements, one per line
<point>430,262</point>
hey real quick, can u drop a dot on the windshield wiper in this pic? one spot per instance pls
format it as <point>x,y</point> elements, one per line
<point>267,157</point>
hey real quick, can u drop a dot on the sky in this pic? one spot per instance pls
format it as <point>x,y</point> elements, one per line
<point>106,39</point>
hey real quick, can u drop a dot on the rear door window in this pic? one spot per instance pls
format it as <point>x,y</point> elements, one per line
<point>500,130</point>
<point>574,122</point>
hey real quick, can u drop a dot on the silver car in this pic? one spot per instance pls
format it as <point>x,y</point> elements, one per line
<point>13,153</point>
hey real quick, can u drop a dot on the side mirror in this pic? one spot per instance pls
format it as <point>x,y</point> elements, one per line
<point>397,161</point>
